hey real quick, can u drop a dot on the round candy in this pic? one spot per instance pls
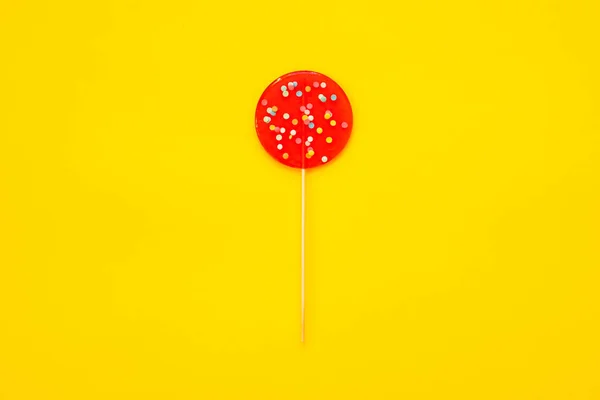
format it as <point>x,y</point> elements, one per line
<point>303,119</point>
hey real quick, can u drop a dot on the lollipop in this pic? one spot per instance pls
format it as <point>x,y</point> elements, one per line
<point>303,120</point>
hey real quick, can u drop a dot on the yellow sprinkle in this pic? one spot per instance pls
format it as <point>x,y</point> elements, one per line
<point>272,127</point>
<point>295,121</point>
<point>308,155</point>
<point>286,156</point>
<point>307,89</point>
<point>304,117</point>
<point>333,122</point>
<point>291,136</point>
<point>274,108</point>
<point>329,139</point>
<point>327,115</point>
<point>311,153</point>
<point>319,130</point>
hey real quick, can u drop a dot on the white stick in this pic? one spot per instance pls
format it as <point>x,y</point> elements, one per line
<point>302,248</point>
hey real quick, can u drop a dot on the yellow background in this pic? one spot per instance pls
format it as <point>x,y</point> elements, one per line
<point>149,247</point>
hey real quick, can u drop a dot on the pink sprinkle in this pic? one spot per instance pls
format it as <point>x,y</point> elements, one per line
<point>316,84</point>
<point>291,85</point>
<point>277,129</point>
<point>344,125</point>
<point>298,140</point>
<point>309,106</point>
<point>264,102</point>
<point>302,108</point>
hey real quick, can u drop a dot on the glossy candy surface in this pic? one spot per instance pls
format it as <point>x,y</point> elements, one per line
<point>304,119</point>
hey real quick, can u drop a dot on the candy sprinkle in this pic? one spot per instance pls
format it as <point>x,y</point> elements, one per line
<point>310,138</point>
<point>329,139</point>
<point>278,137</point>
<point>286,116</point>
<point>286,93</point>
<point>324,159</point>
<point>316,84</point>
<point>272,127</point>
<point>309,106</point>
<point>344,125</point>
<point>286,156</point>
<point>333,97</point>
<point>291,85</point>
<point>323,85</point>
<point>275,108</point>
<point>282,130</point>
<point>319,130</point>
<point>279,146</point>
<point>306,89</point>
<point>322,98</point>
<point>293,132</point>
<point>267,119</point>
<point>304,117</point>
<point>294,121</point>
<point>302,108</point>
<point>333,123</point>
<point>298,140</point>
<point>311,125</point>
<point>328,114</point>
<point>283,88</point>
<point>264,102</point>
<point>299,93</point>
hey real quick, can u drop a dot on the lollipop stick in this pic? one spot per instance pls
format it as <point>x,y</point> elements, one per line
<point>302,249</point>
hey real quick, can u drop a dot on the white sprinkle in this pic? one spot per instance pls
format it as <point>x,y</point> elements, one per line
<point>323,85</point>
<point>293,132</point>
<point>311,117</point>
<point>307,143</point>
<point>278,137</point>
<point>282,130</point>
<point>286,93</point>
<point>279,146</point>
<point>286,116</point>
<point>324,158</point>
<point>307,112</point>
<point>267,119</point>
<point>310,138</point>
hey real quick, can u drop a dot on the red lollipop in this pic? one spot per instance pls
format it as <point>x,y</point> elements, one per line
<point>303,120</point>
